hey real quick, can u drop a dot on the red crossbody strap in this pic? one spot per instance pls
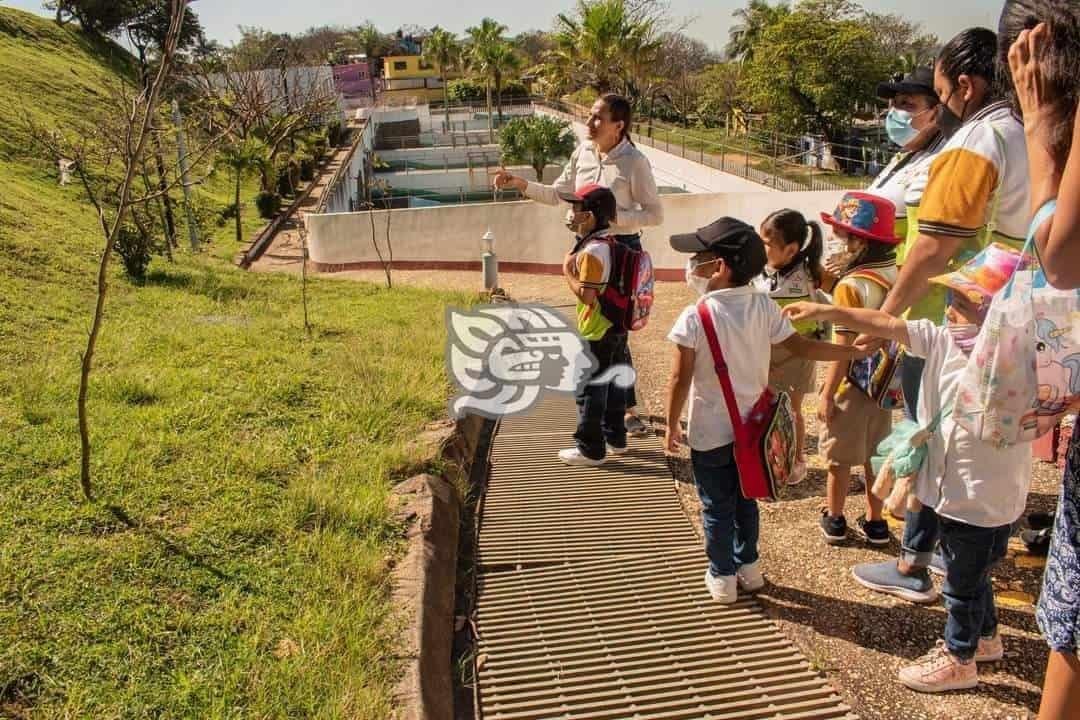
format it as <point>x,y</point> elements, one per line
<point>721,369</point>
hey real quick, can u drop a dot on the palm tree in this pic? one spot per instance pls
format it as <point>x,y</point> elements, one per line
<point>753,20</point>
<point>601,41</point>
<point>442,50</point>
<point>243,156</point>
<point>504,61</point>
<point>481,58</point>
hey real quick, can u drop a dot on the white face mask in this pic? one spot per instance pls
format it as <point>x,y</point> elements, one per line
<point>837,258</point>
<point>698,284</point>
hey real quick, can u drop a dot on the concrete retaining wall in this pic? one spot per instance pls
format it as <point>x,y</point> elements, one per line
<point>530,237</point>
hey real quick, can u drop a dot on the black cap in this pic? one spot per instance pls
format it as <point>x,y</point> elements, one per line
<point>919,81</point>
<point>735,241</point>
<point>595,198</point>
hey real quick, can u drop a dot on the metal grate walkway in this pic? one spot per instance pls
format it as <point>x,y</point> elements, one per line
<point>591,600</point>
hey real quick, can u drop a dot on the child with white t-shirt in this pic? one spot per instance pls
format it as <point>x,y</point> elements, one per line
<point>975,489</point>
<point>725,257</point>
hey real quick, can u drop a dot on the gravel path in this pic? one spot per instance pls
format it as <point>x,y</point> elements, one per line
<point>858,638</point>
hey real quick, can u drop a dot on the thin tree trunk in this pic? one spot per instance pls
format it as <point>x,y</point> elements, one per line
<point>446,104</point>
<point>236,201</point>
<point>498,98</point>
<point>163,187</point>
<point>132,162</point>
<point>491,132</point>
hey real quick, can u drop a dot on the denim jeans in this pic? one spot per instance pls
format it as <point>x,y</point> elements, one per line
<point>634,243</point>
<point>731,522</point>
<point>970,553</point>
<point>921,532</point>
<point>602,408</point>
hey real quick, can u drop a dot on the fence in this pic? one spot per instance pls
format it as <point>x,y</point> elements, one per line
<point>397,197</point>
<point>782,167</point>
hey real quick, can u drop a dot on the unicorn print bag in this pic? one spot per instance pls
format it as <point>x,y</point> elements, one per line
<point>1023,376</point>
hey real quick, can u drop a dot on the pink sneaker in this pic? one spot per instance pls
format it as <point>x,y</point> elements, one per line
<point>990,649</point>
<point>798,473</point>
<point>940,671</point>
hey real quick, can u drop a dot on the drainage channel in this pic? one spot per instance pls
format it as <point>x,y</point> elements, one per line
<point>591,603</point>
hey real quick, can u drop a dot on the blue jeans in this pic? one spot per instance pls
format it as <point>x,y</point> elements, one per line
<point>602,408</point>
<point>731,521</point>
<point>970,553</point>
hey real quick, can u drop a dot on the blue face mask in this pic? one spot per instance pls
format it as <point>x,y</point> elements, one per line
<point>898,126</point>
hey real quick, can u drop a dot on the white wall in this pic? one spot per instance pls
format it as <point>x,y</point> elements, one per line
<point>528,232</point>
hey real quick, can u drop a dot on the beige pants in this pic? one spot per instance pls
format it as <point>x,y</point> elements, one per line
<point>856,429</point>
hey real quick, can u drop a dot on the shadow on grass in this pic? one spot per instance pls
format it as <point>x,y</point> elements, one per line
<point>174,547</point>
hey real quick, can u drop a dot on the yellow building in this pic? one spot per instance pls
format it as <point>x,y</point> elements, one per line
<point>408,76</point>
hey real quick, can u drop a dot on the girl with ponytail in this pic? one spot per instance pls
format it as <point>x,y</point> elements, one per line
<point>794,249</point>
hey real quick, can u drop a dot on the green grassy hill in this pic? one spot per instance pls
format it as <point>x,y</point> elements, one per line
<point>235,562</point>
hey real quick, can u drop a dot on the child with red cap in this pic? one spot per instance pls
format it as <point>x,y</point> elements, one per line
<point>862,254</point>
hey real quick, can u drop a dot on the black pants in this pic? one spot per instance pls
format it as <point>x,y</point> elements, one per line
<point>634,243</point>
<point>601,408</point>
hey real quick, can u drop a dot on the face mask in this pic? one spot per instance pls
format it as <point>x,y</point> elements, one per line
<point>698,284</point>
<point>898,126</point>
<point>837,257</point>
<point>965,336</point>
<point>948,121</point>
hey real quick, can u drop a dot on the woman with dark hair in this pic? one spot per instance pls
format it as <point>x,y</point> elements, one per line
<point>1041,47</point>
<point>977,192</point>
<point>610,159</point>
<point>912,124</point>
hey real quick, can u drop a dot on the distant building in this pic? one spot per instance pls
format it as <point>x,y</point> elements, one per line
<point>356,83</point>
<point>408,77</point>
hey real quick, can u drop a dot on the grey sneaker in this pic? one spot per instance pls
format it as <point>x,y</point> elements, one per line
<point>636,427</point>
<point>885,577</point>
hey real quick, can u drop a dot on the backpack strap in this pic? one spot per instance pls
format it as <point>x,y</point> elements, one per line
<point>721,367</point>
<point>873,277</point>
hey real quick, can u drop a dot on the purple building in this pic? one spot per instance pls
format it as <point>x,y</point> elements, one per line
<point>355,83</point>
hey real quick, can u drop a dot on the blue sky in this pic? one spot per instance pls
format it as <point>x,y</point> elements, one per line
<point>711,18</point>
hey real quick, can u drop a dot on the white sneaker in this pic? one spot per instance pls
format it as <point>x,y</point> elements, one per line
<point>724,590</point>
<point>750,577</point>
<point>573,456</point>
<point>612,450</point>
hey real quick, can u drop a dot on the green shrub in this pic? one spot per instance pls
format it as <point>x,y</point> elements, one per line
<point>335,133</point>
<point>268,204</point>
<point>307,167</point>
<point>135,249</point>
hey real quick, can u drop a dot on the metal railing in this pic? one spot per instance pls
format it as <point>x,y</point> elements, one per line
<point>397,197</point>
<point>472,160</point>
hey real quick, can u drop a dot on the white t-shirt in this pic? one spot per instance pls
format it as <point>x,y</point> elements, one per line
<point>963,478</point>
<point>748,323</point>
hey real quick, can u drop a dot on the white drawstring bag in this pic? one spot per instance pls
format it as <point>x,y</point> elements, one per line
<point>1023,376</point>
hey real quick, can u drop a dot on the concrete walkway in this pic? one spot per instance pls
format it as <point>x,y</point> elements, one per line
<point>592,602</point>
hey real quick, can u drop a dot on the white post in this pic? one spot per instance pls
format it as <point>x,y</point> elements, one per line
<point>489,263</point>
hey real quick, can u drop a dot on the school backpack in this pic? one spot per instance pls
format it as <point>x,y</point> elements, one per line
<point>765,441</point>
<point>628,297</point>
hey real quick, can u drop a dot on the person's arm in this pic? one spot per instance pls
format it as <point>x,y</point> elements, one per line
<point>538,191</point>
<point>804,347</point>
<point>826,404</point>
<point>644,193</point>
<point>581,290</point>
<point>876,323</point>
<point>928,257</point>
<point>1056,239</point>
<point>682,373</point>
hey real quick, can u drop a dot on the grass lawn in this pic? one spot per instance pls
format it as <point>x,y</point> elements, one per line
<point>235,562</point>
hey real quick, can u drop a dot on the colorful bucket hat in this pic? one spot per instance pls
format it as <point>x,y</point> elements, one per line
<point>866,216</point>
<point>981,277</point>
